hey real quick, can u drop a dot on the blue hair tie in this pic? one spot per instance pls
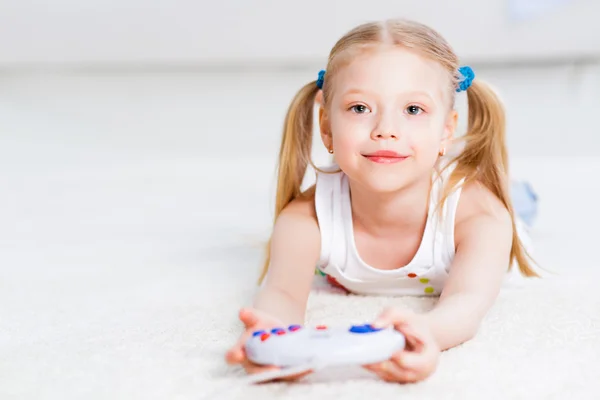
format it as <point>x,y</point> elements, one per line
<point>321,79</point>
<point>467,76</point>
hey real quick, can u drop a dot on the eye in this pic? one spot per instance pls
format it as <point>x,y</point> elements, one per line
<point>359,108</point>
<point>414,110</point>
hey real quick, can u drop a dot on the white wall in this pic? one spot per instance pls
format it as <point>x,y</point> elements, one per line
<point>93,119</point>
<point>116,114</point>
<point>283,31</point>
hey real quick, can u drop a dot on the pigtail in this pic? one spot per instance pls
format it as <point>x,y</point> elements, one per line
<point>485,158</point>
<point>294,153</point>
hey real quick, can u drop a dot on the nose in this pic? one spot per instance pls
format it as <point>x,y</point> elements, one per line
<point>386,128</point>
<point>379,135</point>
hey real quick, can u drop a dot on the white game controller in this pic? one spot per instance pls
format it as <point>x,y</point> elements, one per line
<point>296,349</point>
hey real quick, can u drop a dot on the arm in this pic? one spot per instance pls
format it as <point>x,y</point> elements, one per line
<point>295,249</point>
<point>483,239</point>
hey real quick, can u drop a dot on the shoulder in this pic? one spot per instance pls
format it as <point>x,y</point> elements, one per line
<point>481,212</point>
<point>297,222</point>
<point>302,207</point>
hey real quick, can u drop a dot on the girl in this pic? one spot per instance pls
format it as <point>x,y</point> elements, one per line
<point>397,214</point>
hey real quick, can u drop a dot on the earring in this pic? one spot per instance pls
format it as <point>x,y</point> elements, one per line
<point>443,151</point>
<point>331,150</point>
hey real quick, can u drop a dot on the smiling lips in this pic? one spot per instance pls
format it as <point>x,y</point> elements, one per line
<point>385,157</point>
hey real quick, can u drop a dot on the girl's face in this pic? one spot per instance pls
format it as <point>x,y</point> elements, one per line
<point>388,118</point>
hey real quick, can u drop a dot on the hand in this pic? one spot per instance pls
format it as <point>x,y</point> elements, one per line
<point>419,359</point>
<point>255,320</point>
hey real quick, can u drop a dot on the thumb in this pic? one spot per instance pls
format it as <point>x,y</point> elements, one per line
<point>248,317</point>
<point>392,317</point>
<point>236,353</point>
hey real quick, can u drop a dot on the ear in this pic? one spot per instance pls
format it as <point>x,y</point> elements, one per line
<point>325,128</point>
<point>449,128</point>
<point>319,98</point>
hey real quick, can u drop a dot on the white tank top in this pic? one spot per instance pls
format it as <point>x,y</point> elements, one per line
<point>425,274</point>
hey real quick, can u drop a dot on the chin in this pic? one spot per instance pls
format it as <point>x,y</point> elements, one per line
<point>383,183</point>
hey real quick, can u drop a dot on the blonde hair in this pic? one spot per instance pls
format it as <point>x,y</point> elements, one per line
<point>484,156</point>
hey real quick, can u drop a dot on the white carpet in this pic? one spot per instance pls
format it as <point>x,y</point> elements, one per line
<point>123,282</point>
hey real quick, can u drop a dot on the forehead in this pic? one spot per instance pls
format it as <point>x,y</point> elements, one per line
<point>393,70</point>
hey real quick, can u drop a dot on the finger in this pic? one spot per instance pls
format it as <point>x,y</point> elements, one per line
<point>277,376</point>
<point>393,317</point>
<point>395,373</point>
<point>248,317</point>
<point>235,355</point>
<point>413,339</point>
<point>294,377</point>
<point>385,319</point>
<point>252,368</point>
<point>405,322</point>
<point>416,333</point>
<point>384,368</point>
<point>409,360</point>
<point>392,372</point>
<point>404,376</point>
<point>380,370</point>
<point>376,367</point>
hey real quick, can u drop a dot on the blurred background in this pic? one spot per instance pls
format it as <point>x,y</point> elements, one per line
<point>138,142</point>
<point>157,124</point>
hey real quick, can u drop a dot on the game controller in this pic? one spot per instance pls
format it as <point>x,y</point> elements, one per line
<point>298,348</point>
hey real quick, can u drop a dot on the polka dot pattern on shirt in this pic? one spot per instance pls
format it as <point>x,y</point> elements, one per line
<point>425,281</point>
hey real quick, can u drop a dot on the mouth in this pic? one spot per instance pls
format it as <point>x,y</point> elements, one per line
<point>385,157</point>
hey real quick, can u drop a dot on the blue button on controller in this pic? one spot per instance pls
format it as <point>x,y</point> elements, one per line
<point>358,329</point>
<point>363,329</point>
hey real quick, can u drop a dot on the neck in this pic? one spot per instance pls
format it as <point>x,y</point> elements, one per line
<point>383,214</point>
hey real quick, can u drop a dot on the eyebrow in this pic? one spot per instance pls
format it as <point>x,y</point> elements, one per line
<point>410,93</point>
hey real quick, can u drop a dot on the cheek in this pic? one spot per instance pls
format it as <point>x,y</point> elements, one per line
<point>349,135</point>
<point>346,147</point>
<point>424,135</point>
